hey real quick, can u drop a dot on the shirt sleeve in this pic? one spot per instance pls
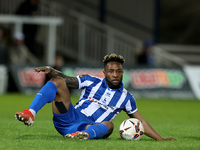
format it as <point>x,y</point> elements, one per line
<point>131,106</point>
<point>84,81</point>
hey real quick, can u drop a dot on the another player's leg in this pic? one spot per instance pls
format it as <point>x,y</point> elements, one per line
<point>96,131</point>
<point>49,92</point>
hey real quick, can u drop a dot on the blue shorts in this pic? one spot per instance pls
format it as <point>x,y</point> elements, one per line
<point>71,121</point>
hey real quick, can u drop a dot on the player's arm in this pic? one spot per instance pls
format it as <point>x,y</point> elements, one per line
<point>148,130</point>
<point>52,73</point>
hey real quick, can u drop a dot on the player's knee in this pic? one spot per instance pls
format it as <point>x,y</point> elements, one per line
<point>59,82</point>
<point>110,126</point>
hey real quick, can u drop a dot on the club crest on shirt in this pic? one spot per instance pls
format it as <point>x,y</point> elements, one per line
<point>104,100</point>
<point>107,95</point>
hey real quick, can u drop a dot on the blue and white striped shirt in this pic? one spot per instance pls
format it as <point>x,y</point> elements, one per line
<point>99,102</point>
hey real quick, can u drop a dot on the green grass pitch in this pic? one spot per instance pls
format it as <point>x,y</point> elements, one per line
<point>171,118</point>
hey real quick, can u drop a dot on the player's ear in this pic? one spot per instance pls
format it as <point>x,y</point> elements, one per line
<point>104,72</point>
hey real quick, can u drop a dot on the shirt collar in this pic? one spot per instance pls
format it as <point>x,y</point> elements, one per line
<point>119,89</point>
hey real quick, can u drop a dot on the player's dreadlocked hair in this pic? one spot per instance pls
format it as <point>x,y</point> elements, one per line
<point>113,57</point>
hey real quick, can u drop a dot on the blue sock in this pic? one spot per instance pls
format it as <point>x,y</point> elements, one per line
<point>46,95</point>
<point>97,131</point>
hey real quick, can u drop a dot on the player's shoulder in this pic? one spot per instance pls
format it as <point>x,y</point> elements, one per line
<point>126,92</point>
<point>90,77</point>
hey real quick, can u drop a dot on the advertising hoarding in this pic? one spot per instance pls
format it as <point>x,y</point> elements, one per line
<point>193,75</point>
<point>140,82</point>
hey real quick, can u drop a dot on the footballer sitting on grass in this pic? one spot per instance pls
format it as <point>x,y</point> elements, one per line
<point>100,101</point>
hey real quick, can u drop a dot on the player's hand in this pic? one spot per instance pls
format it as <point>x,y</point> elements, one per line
<point>52,73</point>
<point>45,69</point>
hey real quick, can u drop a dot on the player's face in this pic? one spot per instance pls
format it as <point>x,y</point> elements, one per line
<point>113,72</point>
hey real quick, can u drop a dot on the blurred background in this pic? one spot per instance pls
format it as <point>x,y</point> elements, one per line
<point>69,34</point>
